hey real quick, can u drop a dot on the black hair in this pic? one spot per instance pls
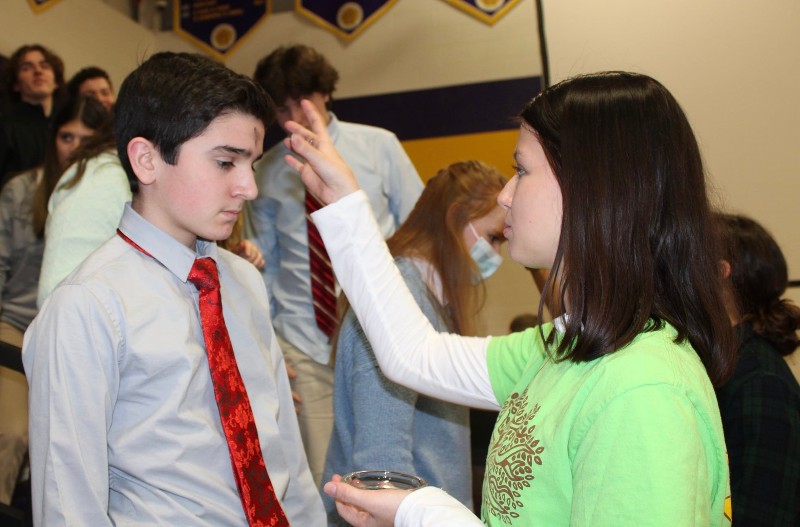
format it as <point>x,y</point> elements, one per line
<point>173,97</point>
<point>90,72</point>
<point>758,281</point>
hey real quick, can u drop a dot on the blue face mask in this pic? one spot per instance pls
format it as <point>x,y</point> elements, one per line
<point>484,256</point>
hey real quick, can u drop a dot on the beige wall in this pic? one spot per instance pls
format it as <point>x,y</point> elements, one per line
<point>735,67</point>
<point>82,32</point>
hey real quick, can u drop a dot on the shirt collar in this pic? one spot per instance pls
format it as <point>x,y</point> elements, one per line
<point>165,249</point>
<point>333,127</point>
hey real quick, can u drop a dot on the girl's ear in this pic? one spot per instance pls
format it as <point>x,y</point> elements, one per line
<point>143,157</point>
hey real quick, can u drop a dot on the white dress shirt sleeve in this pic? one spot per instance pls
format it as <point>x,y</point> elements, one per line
<point>409,350</point>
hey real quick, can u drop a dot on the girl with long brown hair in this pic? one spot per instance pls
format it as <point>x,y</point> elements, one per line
<point>446,247</point>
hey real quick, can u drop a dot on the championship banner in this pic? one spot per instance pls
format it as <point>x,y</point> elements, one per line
<point>346,19</point>
<point>40,5</point>
<point>218,26</point>
<point>490,11</point>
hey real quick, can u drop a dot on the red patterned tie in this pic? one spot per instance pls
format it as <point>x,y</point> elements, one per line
<point>323,291</point>
<point>260,504</point>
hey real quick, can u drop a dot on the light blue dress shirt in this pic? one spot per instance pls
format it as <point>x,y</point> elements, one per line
<point>392,185</point>
<point>124,425</point>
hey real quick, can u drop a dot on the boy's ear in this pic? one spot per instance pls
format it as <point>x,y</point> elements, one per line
<point>143,157</point>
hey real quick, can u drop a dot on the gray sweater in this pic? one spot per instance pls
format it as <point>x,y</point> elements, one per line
<point>20,251</point>
<point>380,425</point>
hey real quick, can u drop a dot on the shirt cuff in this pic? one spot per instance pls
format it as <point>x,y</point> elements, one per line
<point>433,506</point>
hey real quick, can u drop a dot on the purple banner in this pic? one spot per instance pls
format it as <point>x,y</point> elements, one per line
<point>345,18</point>
<point>218,25</point>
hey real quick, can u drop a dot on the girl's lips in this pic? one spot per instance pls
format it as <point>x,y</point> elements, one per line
<point>506,230</point>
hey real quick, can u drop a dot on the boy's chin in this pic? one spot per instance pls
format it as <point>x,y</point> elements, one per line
<point>216,236</point>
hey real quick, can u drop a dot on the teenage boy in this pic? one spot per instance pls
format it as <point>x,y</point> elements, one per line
<point>33,75</point>
<point>297,274</point>
<point>148,404</point>
<point>94,82</point>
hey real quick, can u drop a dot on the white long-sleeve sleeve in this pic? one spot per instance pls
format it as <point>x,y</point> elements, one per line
<point>433,506</point>
<point>409,350</point>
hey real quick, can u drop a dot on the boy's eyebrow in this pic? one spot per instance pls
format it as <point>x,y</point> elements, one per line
<point>244,152</point>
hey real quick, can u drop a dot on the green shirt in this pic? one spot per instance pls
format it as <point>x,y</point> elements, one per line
<point>632,438</point>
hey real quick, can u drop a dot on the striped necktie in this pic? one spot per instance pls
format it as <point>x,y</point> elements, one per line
<point>323,293</point>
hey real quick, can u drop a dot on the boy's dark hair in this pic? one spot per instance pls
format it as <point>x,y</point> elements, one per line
<point>11,68</point>
<point>90,72</point>
<point>294,72</point>
<point>173,97</point>
<point>637,246</point>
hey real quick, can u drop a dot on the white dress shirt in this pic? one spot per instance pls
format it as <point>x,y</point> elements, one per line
<point>390,182</point>
<point>124,426</point>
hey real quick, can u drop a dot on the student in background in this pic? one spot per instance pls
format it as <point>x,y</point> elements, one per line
<point>760,405</point>
<point>607,415</point>
<point>158,392</point>
<point>446,247</point>
<point>93,82</point>
<point>34,76</point>
<point>23,203</point>
<point>84,208</point>
<point>305,316</point>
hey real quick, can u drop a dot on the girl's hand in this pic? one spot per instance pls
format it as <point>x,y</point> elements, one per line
<point>365,508</point>
<point>324,172</point>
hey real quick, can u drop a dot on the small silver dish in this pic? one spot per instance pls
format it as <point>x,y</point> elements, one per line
<point>384,479</point>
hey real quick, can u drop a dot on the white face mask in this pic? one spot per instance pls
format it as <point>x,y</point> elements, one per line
<point>485,257</point>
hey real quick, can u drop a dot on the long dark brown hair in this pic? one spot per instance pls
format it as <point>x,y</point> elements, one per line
<point>758,281</point>
<point>95,117</point>
<point>637,244</point>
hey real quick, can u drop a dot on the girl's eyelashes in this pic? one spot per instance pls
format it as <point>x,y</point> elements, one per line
<point>518,170</point>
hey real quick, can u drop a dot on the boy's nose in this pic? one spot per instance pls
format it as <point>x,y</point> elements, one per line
<point>249,189</point>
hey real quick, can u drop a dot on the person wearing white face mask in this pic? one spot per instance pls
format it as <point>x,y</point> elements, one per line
<point>484,254</point>
<point>444,252</point>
